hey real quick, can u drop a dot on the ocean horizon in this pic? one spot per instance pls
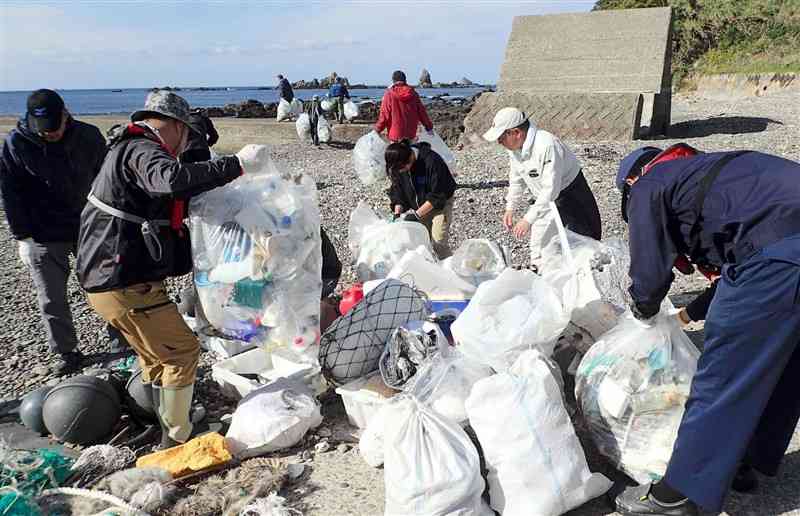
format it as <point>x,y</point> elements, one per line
<point>112,101</point>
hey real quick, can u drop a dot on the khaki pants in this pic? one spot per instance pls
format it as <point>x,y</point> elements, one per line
<point>168,350</point>
<point>438,224</point>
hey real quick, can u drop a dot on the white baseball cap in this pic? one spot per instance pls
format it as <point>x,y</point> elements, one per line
<point>506,118</point>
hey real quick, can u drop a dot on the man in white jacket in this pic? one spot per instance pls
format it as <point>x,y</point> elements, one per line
<point>546,168</point>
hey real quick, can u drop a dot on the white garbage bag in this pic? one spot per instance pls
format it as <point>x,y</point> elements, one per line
<point>327,104</point>
<point>368,159</point>
<point>591,277</point>
<point>350,110</point>
<point>297,107</point>
<point>378,244</point>
<point>444,383</point>
<point>430,465</point>
<point>273,417</point>
<point>632,386</point>
<point>324,131</point>
<point>478,260</point>
<point>256,249</point>
<point>370,445</point>
<point>353,344</point>
<point>517,311</point>
<point>536,463</point>
<point>439,147</point>
<point>420,269</point>
<point>284,110</point>
<point>303,126</point>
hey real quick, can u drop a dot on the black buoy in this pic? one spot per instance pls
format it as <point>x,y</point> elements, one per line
<point>31,408</point>
<point>81,410</point>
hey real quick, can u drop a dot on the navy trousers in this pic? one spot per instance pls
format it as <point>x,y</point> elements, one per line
<point>744,403</point>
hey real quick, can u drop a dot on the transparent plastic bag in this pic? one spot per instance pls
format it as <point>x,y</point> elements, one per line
<point>439,147</point>
<point>350,110</point>
<point>284,110</point>
<point>378,244</point>
<point>516,311</point>
<point>296,107</point>
<point>257,256</point>
<point>303,126</point>
<point>368,159</point>
<point>478,260</point>
<point>430,464</point>
<point>327,104</point>
<point>445,381</point>
<point>632,386</point>
<point>324,131</point>
<point>536,463</point>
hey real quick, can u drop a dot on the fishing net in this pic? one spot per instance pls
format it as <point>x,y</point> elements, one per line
<point>96,462</point>
<point>352,346</point>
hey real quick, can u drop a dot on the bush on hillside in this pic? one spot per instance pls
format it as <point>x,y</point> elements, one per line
<point>729,35</point>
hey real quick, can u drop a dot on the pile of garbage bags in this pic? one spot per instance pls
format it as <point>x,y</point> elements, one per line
<point>350,110</point>
<point>289,109</point>
<point>257,259</point>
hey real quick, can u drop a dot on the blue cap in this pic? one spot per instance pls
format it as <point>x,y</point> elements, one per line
<point>636,159</point>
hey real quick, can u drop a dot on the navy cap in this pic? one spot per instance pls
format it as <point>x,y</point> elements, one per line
<point>45,108</point>
<point>636,159</point>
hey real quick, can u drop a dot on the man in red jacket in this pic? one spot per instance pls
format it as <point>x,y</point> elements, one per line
<point>402,111</point>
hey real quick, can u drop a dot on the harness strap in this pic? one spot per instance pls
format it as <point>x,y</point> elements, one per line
<point>149,228</point>
<point>705,186</point>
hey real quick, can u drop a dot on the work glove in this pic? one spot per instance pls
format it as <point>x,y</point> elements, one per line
<point>410,216</point>
<point>253,158</point>
<point>682,316</point>
<point>25,248</point>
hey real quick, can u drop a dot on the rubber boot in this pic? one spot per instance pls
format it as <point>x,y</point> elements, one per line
<point>175,405</point>
<point>166,442</point>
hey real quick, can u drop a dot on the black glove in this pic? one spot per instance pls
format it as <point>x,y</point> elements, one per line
<point>410,216</point>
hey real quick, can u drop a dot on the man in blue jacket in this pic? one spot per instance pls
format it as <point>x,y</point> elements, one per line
<point>741,211</point>
<point>338,92</point>
<point>47,167</point>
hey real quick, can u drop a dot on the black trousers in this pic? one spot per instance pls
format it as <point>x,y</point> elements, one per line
<point>578,208</point>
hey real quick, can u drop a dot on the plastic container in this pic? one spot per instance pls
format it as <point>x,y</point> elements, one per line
<point>240,375</point>
<point>363,398</point>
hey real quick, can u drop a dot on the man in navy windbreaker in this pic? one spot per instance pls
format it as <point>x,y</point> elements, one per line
<point>739,211</point>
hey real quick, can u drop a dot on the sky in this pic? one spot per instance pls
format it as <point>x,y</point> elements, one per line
<point>75,44</point>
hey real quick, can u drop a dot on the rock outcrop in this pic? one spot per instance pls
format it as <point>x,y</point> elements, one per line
<point>425,79</point>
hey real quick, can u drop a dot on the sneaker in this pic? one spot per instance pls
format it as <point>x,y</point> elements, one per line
<point>745,480</point>
<point>637,501</point>
<point>67,363</point>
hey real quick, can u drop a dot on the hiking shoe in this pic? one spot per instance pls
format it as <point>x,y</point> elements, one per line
<point>67,363</point>
<point>637,501</point>
<point>745,480</point>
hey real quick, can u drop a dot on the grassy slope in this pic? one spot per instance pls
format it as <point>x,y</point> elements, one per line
<point>729,36</point>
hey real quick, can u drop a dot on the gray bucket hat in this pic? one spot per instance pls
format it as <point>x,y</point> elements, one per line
<point>165,103</point>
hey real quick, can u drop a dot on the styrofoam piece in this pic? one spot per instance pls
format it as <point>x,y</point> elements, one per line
<point>269,366</point>
<point>361,399</point>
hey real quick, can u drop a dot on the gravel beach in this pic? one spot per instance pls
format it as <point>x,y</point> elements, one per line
<point>338,482</point>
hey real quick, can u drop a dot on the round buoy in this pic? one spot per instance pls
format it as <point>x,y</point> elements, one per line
<point>139,399</point>
<point>81,410</point>
<point>30,410</point>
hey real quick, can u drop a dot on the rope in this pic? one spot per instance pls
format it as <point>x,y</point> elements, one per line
<point>117,503</point>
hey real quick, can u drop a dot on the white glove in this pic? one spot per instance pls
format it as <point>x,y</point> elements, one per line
<point>253,158</point>
<point>25,248</point>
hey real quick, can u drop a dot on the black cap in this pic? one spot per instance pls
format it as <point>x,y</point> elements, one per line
<point>398,76</point>
<point>45,108</point>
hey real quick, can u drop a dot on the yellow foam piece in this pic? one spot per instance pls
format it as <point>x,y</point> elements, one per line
<point>199,454</point>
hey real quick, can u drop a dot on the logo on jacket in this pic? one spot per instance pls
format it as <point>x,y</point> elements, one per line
<point>42,111</point>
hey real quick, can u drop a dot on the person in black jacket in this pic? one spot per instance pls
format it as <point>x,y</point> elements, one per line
<point>315,112</point>
<point>421,189</point>
<point>285,89</point>
<point>132,238</point>
<point>47,167</point>
<point>205,135</point>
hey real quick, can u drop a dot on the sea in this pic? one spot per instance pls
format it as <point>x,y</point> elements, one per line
<point>127,100</point>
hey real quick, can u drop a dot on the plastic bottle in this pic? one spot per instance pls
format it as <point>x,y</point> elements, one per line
<point>351,297</point>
